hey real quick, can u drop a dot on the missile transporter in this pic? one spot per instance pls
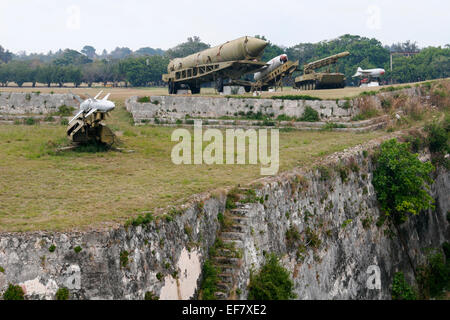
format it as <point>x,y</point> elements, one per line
<point>230,60</point>
<point>311,80</point>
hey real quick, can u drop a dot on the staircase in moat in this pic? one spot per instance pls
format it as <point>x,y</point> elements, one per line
<point>228,257</point>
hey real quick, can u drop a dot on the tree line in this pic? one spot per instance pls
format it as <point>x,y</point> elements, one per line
<point>144,67</point>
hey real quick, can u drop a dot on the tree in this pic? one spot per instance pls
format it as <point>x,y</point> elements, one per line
<point>147,51</point>
<point>19,72</point>
<point>120,53</point>
<point>89,51</point>
<point>91,73</point>
<point>5,55</point>
<point>4,74</point>
<point>401,181</point>
<point>69,57</point>
<point>191,46</point>
<point>74,75</point>
<point>45,74</point>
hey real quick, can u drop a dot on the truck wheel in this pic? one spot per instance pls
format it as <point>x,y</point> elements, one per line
<point>194,89</point>
<point>171,87</point>
<point>219,84</point>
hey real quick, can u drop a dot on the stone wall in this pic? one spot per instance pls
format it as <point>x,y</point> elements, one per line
<point>343,216</point>
<point>165,256</point>
<point>172,108</point>
<point>17,103</point>
<point>123,263</point>
<point>178,107</point>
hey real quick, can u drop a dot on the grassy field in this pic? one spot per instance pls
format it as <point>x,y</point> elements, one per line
<point>41,189</point>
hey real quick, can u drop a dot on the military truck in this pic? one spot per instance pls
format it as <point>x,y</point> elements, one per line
<point>230,60</point>
<point>311,80</point>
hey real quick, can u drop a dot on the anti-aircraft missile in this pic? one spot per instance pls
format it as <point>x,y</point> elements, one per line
<point>271,65</point>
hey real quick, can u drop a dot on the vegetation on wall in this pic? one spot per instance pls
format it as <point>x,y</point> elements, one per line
<point>209,282</point>
<point>401,290</point>
<point>272,282</point>
<point>14,292</point>
<point>401,181</point>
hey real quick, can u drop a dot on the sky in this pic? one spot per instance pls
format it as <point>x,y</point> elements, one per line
<point>43,25</point>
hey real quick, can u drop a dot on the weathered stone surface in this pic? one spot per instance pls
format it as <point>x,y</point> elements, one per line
<point>33,103</point>
<point>161,249</point>
<point>341,214</point>
<point>175,107</point>
<point>172,108</point>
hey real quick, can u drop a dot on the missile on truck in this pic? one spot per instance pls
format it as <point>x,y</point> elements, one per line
<point>271,76</point>
<point>230,60</point>
<point>311,80</point>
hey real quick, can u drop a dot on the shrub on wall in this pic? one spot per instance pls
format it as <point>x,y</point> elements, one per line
<point>272,282</point>
<point>14,292</point>
<point>401,181</point>
<point>401,290</point>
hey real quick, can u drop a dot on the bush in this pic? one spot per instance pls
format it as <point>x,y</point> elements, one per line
<point>65,111</point>
<point>124,258</point>
<point>143,99</point>
<point>52,248</point>
<point>309,115</point>
<point>64,122</point>
<point>271,283</point>
<point>292,236</point>
<point>62,294</point>
<point>30,121</point>
<point>400,180</point>
<point>434,277</point>
<point>438,138</point>
<point>150,296</point>
<point>210,280</point>
<point>14,293</point>
<point>77,249</point>
<point>401,290</point>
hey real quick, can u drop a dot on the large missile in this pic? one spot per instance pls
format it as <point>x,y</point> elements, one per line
<point>271,65</point>
<point>245,48</point>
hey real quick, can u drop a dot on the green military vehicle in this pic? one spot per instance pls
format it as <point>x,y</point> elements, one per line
<point>311,80</point>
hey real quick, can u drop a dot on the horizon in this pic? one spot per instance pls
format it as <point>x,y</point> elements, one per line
<point>50,25</point>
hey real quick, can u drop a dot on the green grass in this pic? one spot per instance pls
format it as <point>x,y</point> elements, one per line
<point>41,189</point>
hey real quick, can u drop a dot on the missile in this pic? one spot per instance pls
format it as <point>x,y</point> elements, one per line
<point>92,105</point>
<point>271,65</point>
<point>374,73</point>
<point>244,48</point>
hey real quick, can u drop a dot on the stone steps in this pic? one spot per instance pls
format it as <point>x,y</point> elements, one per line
<point>350,126</point>
<point>227,261</point>
<point>226,269</point>
<point>226,277</point>
<point>233,236</point>
<point>221,295</point>
<point>240,220</point>
<point>237,243</point>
